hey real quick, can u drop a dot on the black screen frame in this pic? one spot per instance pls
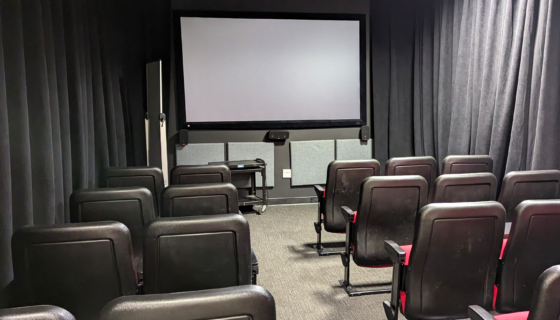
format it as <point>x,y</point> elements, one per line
<point>260,125</point>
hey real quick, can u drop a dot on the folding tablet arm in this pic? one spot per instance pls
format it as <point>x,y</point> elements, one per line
<point>478,313</point>
<point>397,256</point>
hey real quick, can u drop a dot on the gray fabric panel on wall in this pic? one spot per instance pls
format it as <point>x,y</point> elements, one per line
<point>353,149</point>
<point>199,153</point>
<point>251,151</point>
<point>309,161</point>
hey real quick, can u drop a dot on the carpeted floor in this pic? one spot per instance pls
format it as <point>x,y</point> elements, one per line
<point>304,285</point>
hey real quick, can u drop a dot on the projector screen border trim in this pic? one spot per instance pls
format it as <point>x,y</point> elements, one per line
<point>291,124</point>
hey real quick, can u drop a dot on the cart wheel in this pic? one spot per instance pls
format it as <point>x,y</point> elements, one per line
<point>262,209</point>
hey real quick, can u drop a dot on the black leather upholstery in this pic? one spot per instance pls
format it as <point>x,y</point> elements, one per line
<point>131,206</point>
<point>79,267</point>
<point>387,210</point>
<point>466,187</point>
<point>343,189</point>
<point>200,174</point>
<point>234,303</point>
<point>36,313</point>
<point>528,185</point>
<point>532,248</point>
<point>197,253</point>
<point>147,177</point>
<point>426,167</point>
<point>454,259</point>
<point>545,305</point>
<point>199,199</point>
<point>467,164</point>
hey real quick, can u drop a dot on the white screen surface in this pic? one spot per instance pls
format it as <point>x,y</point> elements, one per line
<point>270,69</point>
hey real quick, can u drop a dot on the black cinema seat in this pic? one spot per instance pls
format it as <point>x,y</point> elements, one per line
<point>531,248</point>
<point>343,189</point>
<point>465,187</point>
<point>387,210</point>
<point>426,167</point>
<point>199,199</point>
<point>147,177</point>
<point>203,199</point>
<point>79,267</point>
<point>132,206</point>
<point>36,313</point>
<point>234,303</point>
<point>451,264</point>
<point>200,174</point>
<point>528,185</point>
<point>197,253</point>
<point>545,304</point>
<point>467,164</point>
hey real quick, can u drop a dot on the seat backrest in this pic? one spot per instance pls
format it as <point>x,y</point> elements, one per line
<point>199,199</point>
<point>36,313</point>
<point>467,164</point>
<point>387,210</point>
<point>343,189</point>
<point>545,305</point>
<point>79,267</point>
<point>234,303</point>
<point>200,174</point>
<point>147,177</point>
<point>532,247</point>
<point>197,253</point>
<point>454,259</point>
<point>132,206</point>
<point>465,187</point>
<point>426,167</point>
<point>528,185</point>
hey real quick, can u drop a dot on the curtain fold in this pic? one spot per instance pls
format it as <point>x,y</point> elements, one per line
<point>61,117</point>
<point>485,80</point>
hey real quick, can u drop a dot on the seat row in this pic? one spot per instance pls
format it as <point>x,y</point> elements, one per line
<point>242,302</point>
<point>410,186</point>
<point>458,257</point>
<point>83,266</point>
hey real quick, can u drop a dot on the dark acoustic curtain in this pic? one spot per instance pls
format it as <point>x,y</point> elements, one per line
<point>468,77</point>
<point>62,120</point>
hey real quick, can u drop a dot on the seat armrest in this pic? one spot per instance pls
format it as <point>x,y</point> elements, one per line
<point>478,313</point>
<point>348,214</point>
<point>319,190</point>
<point>395,252</point>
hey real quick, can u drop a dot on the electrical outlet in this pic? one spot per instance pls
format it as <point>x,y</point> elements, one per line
<point>287,173</point>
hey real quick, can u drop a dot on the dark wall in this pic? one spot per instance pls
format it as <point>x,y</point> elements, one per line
<point>282,188</point>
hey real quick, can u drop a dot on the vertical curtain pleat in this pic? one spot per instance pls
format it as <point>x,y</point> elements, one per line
<point>40,129</point>
<point>5,180</point>
<point>61,110</point>
<point>18,118</point>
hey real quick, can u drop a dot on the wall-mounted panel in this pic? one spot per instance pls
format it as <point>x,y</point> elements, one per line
<point>252,151</point>
<point>309,161</point>
<point>353,149</point>
<point>200,153</point>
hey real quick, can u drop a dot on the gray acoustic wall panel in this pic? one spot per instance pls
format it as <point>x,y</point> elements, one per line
<point>200,153</point>
<point>310,160</point>
<point>251,151</point>
<point>353,149</point>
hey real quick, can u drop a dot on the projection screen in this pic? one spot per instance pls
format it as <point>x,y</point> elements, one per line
<point>271,71</point>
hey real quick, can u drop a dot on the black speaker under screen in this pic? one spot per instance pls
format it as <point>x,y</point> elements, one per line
<point>183,137</point>
<point>364,133</point>
<point>278,135</point>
